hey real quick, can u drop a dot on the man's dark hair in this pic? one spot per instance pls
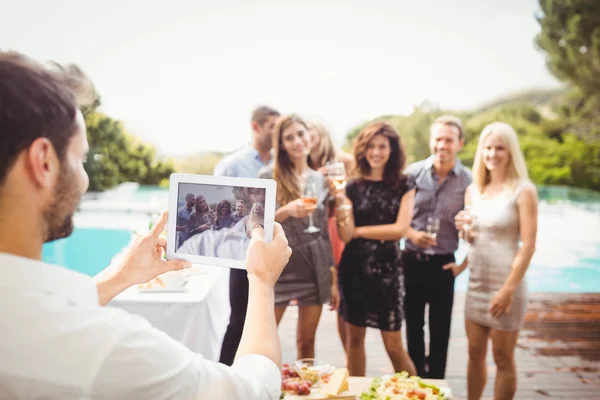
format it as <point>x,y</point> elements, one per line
<point>34,102</point>
<point>262,113</point>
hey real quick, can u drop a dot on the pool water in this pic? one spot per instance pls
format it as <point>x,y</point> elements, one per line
<point>87,250</point>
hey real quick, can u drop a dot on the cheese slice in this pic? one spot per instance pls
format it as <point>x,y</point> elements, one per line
<point>337,383</point>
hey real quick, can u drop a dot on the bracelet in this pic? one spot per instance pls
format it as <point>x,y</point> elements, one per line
<point>343,207</point>
<point>343,222</point>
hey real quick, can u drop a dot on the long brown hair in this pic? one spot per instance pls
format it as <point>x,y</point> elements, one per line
<point>392,173</point>
<point>288,187</point>
<point>221,206</point>
<point>196,207</point>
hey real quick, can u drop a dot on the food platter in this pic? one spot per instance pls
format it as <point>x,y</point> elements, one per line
<point>311,379</point>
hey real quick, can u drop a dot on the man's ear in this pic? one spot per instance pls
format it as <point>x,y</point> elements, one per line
<point>255,126</point>
<point>42,163</point>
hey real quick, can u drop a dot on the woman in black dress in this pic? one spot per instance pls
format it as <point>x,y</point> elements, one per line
<point>224,217</point>
<point>372,216</point>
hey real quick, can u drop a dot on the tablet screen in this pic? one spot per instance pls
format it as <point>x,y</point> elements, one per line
<point>217,220</point>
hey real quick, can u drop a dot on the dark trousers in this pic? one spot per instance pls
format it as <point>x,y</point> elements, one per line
<point>427,283</point>
<point>238,299</point>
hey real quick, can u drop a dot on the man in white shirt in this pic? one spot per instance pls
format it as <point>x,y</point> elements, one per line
<point>57,341</point>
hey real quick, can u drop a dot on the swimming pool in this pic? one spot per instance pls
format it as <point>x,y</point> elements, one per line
<point>567,257</point>
<point>87,250</point>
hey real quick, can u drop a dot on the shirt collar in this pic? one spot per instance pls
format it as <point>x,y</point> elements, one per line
<point>456,169</point>
<point>25,274</point>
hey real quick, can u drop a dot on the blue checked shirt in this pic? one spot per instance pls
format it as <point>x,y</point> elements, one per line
<point>439,201</point>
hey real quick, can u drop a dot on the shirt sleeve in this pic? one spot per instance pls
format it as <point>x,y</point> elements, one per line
<point>223,168</point>
<point>145,363</point>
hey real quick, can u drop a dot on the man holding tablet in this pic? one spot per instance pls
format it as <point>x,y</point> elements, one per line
<point>58,342</point>
<point>245,163</point>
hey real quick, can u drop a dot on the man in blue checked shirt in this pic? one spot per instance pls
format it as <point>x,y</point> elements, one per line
<point>441,181</point>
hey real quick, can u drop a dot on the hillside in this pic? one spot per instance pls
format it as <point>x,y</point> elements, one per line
<point>201,163</point>
<point>556,151</point>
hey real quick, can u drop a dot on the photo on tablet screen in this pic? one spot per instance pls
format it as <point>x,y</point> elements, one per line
<point>217,220</point>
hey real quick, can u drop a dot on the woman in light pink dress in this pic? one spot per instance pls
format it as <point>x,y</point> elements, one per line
<point>324,152</point>
<point>503,214</point>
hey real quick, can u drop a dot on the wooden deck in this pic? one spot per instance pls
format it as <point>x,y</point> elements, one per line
<point>558,354</point>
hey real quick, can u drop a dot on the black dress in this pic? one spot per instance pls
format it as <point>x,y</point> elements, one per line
<point>370,277</point>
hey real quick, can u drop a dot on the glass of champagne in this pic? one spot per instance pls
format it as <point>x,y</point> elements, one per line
<point>467,223</point>
<point>337,173</point>
<point>432,228</point>
<point>310,196</point>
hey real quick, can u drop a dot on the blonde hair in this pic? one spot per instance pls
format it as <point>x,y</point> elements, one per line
<point>326,151</point>
<point>517,169</point>
<point>256,217</point>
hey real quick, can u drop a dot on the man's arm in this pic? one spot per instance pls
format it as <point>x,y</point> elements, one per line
<point>223,168</point>
<point>141,263</point>
<point>141,362</point>
<point>264,263</point>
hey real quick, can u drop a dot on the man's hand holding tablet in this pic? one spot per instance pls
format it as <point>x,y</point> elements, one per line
<point>211,203</point>
<point>265,261</point>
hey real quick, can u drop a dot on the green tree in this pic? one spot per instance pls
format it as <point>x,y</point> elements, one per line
<point>570,37</point>
<point>116,157</point>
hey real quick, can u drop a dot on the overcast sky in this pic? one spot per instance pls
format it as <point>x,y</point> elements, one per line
<point>185,75</point>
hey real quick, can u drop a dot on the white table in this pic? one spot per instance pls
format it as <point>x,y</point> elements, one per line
<point>197,318</point>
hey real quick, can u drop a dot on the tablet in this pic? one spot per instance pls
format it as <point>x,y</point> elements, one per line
<point>211,217</point>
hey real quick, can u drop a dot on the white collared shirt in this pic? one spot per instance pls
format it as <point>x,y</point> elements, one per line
<point>58,343</point>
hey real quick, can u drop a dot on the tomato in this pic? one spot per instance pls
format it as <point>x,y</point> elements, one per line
<point>303,389</point>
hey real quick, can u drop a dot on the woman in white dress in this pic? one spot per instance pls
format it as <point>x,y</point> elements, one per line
<point>503,205</point>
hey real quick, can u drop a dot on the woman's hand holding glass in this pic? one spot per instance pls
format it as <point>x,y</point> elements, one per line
<point>464,222</point>
<point>300,209</point>
<point>310,198</point>
<point>336,178</point>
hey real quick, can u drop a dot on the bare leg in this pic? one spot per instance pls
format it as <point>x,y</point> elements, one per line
<point>477,370</point>
<point>308,319</point>
<point>503,347</point>
<point>341,326</point>
<point>357,362</point>
<point>279,314</point>
<point>400,359</point>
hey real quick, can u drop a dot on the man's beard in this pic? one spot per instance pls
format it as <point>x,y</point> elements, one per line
<point>59,215</point>
<point>266,143</point>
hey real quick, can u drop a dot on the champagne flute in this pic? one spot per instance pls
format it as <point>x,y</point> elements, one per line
<point>432,228</point>
<point>309,196</point>
<point>467,223</point>
<point>337,173</point>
